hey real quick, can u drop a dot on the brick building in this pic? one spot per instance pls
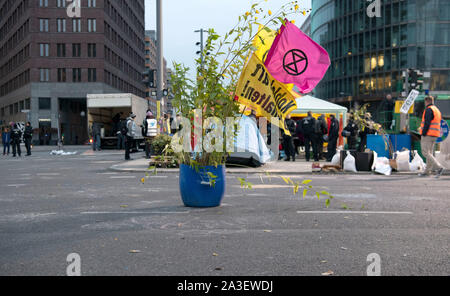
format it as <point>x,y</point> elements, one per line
<point>50,60</point>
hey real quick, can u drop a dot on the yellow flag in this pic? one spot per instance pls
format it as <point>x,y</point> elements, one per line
<point>263,42</point>
<point>258,90</point>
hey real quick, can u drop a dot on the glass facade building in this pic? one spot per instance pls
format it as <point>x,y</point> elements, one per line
<point>368,55</point>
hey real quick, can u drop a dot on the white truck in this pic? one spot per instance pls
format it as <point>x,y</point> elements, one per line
<point>101,109</point>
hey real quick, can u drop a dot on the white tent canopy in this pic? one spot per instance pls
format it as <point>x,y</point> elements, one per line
<point>315,105</point>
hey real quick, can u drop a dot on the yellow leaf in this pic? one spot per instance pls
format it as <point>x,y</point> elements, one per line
<point>270,12</point>
<point>215,254</point>
<point>143,180</point>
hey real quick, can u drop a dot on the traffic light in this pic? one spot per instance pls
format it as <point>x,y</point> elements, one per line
<point>149,79</point>
<point>415,79</point>
<point>412,80</point>
<point>419,80</point>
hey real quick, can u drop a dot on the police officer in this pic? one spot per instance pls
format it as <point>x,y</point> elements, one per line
<point>16,135</point>
<point>308,130</point>
<point>288,142</point>
<point>430,129</point>
<point>27,137</point>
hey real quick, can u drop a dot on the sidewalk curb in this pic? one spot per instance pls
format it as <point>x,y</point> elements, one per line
<point>257,171</point>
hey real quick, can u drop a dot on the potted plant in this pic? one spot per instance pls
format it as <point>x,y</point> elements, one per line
<point>211,94</point>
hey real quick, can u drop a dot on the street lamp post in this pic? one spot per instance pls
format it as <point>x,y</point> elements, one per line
<point>160,59</point>
<point>202,57</point>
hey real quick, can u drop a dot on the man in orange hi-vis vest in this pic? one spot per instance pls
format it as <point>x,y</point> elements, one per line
<point>430,130</point>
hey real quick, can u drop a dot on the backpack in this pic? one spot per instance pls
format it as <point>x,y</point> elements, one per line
<point>123,128</point>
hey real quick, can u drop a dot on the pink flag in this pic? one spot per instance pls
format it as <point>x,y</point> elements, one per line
<point>296,58</point>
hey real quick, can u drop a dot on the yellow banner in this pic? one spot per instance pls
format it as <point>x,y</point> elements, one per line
<point>258,90</point>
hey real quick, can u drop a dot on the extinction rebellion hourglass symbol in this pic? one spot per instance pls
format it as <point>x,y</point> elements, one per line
<point>295,62</point>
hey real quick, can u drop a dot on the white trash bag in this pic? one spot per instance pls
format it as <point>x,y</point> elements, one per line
<point>350,163</point>
<point>382,166</point>
<point>336,160</point>
<point>417,164</point>
<point>403,161</point>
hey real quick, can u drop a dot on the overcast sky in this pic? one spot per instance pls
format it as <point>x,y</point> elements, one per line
<point>182,17</point>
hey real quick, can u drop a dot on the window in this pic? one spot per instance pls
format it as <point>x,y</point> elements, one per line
<point>27,104</point>
<point>45,104</point>
<point>61,25</point>
<point>61,50</point>
<point>92,75</point>
<point>3,112</point>
<point>92,25</point>
<point>44,75</point>
<point>43,25</point>
<point>76,25</point>
<point>92,50</point>
<point>16,108</point>
<point>21,105</point>
<point>43,3</point>
<point>76,50</point>
<point>61,3</point>
<point>76,75</point>
<point>62,75</point>
<point>44,49</point>
<point>92,3</point>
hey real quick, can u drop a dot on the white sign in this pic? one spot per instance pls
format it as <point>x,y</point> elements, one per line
<point>409,101</point>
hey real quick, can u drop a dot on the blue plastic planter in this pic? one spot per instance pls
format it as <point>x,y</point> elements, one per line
<point>196,190</point>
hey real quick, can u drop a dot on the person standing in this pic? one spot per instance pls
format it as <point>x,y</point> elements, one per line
<point>131,133</point>
<point>366,129</point>
<point>321,129</point>
<point>96,136</point>
<point>333,136</point>
<point>16,135</point>
<point>430,129</point>
<point>308,125</point>
<point>6,140</point>
<point>288,143</point>
<point>150,132</point>
<point>352,129</point>
<point>28,137</point>
<point>387,107</point>
<point>121,134</point>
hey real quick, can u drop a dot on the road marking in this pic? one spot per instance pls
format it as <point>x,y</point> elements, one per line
<point>107,173</point>
<point>353,212</point>
<point>16,185</point>
<point>48,174</point>
<point>133,213</point>
<point>122,177</point>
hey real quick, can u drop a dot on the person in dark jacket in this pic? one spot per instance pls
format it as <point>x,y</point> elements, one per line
<point>333,136</point>
<point>16,135</point>
<point>288,143</point>
<point>351,128</point>
<point>307,126</point>
<point>387,110</point>
<point>6,140</point>
<point>27,137</point>
<point>366,130</point>
<point>321,129</point>
<point>96,136</point>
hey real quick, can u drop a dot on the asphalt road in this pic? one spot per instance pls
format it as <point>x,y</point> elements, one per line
<point>52,206</point>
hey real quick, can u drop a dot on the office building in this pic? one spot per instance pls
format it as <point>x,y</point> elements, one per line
<point>368,55</point>
<point>52,57</point>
